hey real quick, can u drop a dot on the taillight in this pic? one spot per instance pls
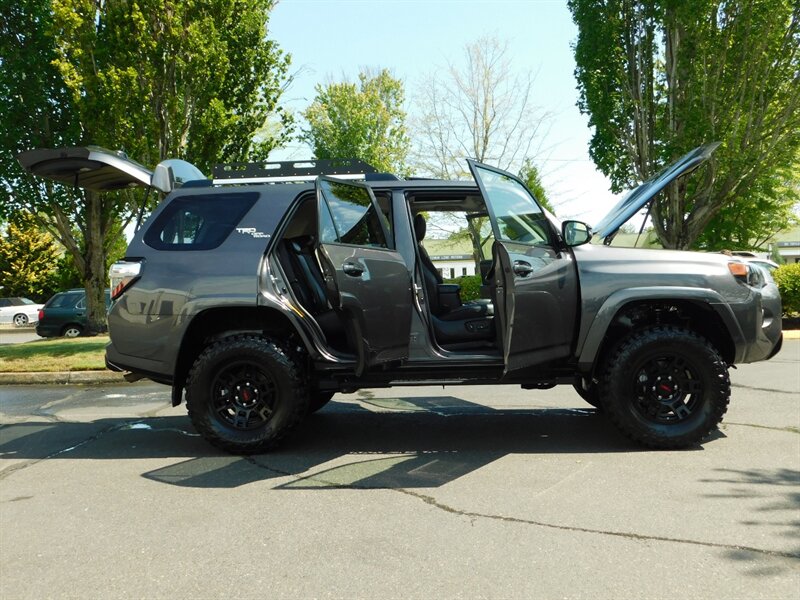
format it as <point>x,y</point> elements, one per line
<point>122,274</point>
<point>41,314</point>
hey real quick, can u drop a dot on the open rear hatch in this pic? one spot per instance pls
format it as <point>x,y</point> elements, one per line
<point>98,169</point>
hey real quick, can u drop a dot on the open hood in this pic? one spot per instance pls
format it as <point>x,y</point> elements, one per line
<point>637,198</point>
<point>97,169</point>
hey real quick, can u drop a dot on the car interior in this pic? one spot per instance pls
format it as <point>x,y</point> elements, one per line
<point>455,325</point>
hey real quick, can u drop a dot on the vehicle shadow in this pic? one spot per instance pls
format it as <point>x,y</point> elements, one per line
<point>769,497</point>
<point>427,442</point>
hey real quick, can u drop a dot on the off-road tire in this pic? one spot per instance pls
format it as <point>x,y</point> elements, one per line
<point>244,394</point>
<point>665,387</point>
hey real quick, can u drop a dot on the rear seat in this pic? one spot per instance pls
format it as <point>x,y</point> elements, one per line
<point>305,278</point>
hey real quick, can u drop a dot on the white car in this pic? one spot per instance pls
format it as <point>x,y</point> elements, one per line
<point>19,311</point>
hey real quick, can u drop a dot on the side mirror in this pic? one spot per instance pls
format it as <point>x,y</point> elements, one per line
<point>575,233</point>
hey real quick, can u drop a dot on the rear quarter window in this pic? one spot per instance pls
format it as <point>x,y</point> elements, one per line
<point>200,222</point>
<point>64,300</point>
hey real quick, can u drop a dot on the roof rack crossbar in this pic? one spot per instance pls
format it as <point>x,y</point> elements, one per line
<point>295,170</point>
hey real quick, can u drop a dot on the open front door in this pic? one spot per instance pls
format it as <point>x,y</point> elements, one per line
<point>535,280</point>
<point>366,281</point>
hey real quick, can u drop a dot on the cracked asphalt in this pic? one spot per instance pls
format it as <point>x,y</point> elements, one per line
<point>496,492</point>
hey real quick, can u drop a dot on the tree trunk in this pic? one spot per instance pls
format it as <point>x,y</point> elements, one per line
<point>95,260</point>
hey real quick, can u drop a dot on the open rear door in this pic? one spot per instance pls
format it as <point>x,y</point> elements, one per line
<point>367,282</point>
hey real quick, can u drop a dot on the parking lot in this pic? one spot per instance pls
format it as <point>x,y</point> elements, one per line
<point>106,491</point>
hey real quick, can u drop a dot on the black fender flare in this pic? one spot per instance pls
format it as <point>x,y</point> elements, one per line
<point>589,344</point>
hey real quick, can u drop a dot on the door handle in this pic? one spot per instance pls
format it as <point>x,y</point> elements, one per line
<point>522,268</point>
<point>353,269</point>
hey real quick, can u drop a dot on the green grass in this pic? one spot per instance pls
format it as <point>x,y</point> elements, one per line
<point>76,354</point>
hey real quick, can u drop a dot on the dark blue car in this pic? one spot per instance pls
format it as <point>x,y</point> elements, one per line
<point>65,314</point>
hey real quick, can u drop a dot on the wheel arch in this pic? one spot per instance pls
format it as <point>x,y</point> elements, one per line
<point>702,311</point>
<point>216,323</point>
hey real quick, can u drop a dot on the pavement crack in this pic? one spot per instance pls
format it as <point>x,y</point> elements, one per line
<point>788,429</point>
<point>761,389</point>
<point>7,472</point>
<point>431,501</point>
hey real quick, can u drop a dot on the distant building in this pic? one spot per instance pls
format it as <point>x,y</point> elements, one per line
<point>788,245</point>
<point>452,258</point>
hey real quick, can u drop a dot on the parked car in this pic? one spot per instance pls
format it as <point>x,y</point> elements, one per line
<point>263,292</point>
<point>761,262</point>
<point>19,311</point>
<point>65,314</point>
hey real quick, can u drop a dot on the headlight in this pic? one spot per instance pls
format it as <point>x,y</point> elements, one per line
<point>746,273</point>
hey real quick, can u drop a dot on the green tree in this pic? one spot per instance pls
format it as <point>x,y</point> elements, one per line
<point>28,260</point>
<point>363,120</point>
<point>529,175</point>
<point>196,80</point>
<point>659,77</point>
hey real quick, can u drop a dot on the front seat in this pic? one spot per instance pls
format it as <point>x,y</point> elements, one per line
<point>453,321</point>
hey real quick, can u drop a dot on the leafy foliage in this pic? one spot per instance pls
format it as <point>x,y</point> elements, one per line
<point>363,120</point>
<point>470,287</point>
<point>529,175</point>
<point>28,259</point>
<point>196,80</point>
<point>787,277</point>
<point>659,77</point>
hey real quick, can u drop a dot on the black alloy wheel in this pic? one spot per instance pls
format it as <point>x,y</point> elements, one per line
<point>243,395</point>
<point>668,389</point>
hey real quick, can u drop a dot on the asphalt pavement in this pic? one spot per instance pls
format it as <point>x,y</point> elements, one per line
<point>106,491</point>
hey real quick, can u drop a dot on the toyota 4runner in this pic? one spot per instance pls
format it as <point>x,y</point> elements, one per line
<point>259,294</point>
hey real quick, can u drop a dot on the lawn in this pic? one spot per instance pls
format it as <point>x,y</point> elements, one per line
<point>62,354</point>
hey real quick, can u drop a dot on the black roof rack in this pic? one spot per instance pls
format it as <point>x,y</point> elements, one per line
<point>289,171</point>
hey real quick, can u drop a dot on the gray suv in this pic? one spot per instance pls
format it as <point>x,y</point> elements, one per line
<point>259,294</point>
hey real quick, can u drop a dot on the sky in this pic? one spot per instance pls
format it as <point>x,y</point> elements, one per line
<point>331,40</point>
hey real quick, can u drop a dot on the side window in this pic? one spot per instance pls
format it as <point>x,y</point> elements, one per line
<point>517,216</point>
<point>198,222</point>
<point>352,214</point>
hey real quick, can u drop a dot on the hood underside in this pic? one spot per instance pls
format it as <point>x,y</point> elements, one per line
<point>637,198</point>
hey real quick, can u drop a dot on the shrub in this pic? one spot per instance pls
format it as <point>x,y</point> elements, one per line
<point>788,279</point>
<point>470,287</point>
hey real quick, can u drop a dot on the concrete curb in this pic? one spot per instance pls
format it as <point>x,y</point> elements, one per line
<point>63,377</point>
<point>791,334</point>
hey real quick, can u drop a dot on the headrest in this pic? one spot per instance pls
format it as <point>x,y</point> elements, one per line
<point>420,226</point>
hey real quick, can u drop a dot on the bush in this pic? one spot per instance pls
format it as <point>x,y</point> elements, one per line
<point>788,279</point>
<point>470,287</point>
